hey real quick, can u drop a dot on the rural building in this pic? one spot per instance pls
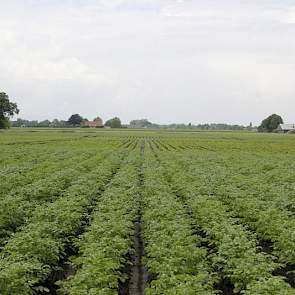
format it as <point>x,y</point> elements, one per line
<point>96,123</point>
<point>285,128</point>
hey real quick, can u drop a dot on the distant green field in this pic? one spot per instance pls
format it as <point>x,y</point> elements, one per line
<point>96,211</point>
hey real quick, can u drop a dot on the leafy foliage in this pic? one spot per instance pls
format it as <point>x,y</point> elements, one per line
<point>75,120</point>
<point>113,123</point>
<point>239,258</point>
<point>7,109</point>
<point>271,123</point>
<point>214,208</point>
<point>29,256</point>
<point>101,260</point>
<point>172,253</point>
<point>20,204</point>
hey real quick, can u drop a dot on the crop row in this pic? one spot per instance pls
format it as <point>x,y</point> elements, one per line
<point>238,256</point>
<point>19,158</point>
<point>17,180</point>
<point>28,173</point>
<point>104,249</point>
<point>33,253</point>
<point>270,222</point>
<point>35,153</point>
<point>174,255</point>
<point>267,178</point>
<point>22,174</point>
<point>17,207</point>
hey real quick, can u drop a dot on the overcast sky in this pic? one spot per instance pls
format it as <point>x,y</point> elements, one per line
<point>166,60</point>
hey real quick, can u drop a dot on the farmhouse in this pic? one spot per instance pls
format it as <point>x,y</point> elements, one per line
<point>285,128</point>
<point>96,123</point>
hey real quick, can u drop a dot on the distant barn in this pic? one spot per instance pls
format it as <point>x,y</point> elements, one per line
<point>286,128</point>
<point>96,123</point>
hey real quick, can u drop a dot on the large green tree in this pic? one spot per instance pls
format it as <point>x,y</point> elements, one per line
<point>7,110</point>
<point>75,120</point>
<point>113,123</point>
<point>271,123</point>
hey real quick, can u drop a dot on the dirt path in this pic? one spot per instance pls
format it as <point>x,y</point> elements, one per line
<point>138,274</point>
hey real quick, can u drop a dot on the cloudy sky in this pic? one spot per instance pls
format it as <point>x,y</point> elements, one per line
<point>166,60</point>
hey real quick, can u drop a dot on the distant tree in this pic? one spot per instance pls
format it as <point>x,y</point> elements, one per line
<point>45,123</point>
<point>7,110</point>
<point>271,123</point>
<point>142,123</point>
<point>250,127</point>
<point>33,123</point>
<point>55,123</point>
<point>113,123</point>
<point>19,123</point>
<point>25,123</point>
<point>75,120</point>
<point>58,123</point>
<point>63,123</point>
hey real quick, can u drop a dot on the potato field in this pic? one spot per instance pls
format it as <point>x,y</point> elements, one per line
<point>133,212</point>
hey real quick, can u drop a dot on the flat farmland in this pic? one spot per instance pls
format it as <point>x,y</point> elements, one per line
<point>133,212</point>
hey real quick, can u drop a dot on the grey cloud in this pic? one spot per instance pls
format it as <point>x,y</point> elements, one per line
<point>170,61</point>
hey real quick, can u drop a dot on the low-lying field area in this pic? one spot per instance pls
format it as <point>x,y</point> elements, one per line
<point>90,211</point>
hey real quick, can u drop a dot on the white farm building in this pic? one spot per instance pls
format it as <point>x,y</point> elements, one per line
<point>285,128</point>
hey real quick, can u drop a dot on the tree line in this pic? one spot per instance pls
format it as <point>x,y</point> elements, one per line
<point>115,122</point>
<point>8,109</point>
<point>74,121</point>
